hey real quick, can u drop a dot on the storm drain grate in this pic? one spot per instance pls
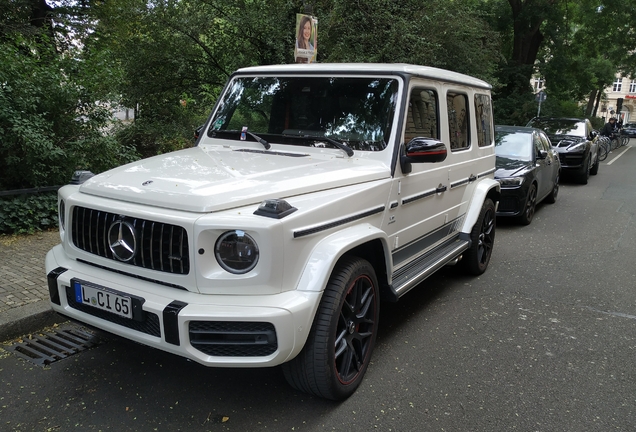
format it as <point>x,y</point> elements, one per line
<point>48,347</point>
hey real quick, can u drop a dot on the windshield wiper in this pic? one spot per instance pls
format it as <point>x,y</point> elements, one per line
<point>256,137</point>
<point>342,146</point>
<point>260,140</point>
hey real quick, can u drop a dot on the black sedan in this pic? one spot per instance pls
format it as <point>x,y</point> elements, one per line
<point>528,170</point>
<point>574,140</point>
<point>629,129</point>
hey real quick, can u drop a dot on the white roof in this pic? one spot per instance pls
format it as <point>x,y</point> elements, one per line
<point>387,68</point>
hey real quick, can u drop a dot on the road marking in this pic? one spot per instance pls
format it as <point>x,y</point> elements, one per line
<point>617,314</point>
<point>621,154</point>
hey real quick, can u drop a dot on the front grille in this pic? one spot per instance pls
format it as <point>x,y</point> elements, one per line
<point>150,325</point>
<point>160,246</point>
<point>233,339</point>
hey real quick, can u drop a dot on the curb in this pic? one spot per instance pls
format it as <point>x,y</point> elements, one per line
<point>27,319</point>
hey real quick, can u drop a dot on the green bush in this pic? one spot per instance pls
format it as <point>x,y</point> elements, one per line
<point>26,214</point>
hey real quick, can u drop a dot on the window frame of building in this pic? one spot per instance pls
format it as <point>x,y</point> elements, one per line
<point>618,85</point>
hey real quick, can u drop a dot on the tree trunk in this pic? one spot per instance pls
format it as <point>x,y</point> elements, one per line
<point>598,101</point>
<point>590,103</point>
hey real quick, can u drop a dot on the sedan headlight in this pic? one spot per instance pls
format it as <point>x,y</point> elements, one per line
<point>236,251</point>
<point>510,181</point>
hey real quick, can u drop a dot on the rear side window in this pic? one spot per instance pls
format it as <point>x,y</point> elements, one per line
<point>483,114</point>
<point>422,115</point>
<point>458,120</point>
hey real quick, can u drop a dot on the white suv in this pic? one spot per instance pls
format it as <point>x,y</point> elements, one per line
<point>313,192</point>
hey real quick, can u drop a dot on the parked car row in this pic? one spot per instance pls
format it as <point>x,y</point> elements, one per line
<point>531,159</point>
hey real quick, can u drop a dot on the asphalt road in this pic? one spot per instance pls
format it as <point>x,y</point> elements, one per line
<point>543,341</point>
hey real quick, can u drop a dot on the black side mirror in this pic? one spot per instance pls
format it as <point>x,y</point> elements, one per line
<point>593,134</point>
<point>542,154</point>
<point>420,150</point>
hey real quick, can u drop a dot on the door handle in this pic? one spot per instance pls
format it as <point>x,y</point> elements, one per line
<point>440,189</point>
<point>472,178</point>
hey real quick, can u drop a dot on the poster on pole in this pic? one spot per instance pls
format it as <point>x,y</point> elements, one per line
<point>306,38</point>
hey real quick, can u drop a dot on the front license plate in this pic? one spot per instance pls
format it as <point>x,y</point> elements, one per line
<point>103,299</point>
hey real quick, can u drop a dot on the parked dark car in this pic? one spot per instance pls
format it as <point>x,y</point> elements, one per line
<point>528,170</point>
<point>629,129</point>
<point>575,141</point>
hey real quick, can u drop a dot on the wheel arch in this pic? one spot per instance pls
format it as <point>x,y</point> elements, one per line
<point>364,241</point>
<point>487,188</point>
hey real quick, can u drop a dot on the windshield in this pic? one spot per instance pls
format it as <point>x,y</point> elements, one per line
<point>559,126</point>
<point>356,111</point>
<point>514,145</point>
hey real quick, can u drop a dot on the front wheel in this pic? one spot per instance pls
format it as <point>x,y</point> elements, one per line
<point>594,169</point>
<point>338,349</point>
<point>584,174</point>
<point>482,236</point>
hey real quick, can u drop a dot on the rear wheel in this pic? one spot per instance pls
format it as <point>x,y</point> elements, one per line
<point>531,203</point>
<point>551,199</point>
<point>482,236</point>
<point>339,346</point>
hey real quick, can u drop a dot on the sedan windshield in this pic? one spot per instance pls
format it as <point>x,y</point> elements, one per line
<point>560,126</point>
<point>514,145</point>
<point>354,112</point>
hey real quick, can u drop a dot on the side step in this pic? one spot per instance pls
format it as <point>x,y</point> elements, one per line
<point>422,267</point>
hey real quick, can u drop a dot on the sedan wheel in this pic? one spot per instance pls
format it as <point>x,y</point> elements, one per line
<point>531,202</point>
<point>551,199</point>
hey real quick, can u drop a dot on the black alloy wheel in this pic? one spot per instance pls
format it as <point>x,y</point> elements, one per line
<point>338,350</point>
<point>531,203</point>
<point>551,199</point>
<point>482,236</point>
<point>584,175</point>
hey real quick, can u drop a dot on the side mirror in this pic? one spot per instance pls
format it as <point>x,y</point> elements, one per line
<point>197,131</point>
<point>593,134</point>
<point>420,150</point>
<point>542,154</point>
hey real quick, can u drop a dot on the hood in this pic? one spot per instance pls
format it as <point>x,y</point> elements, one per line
<point>565,141</point>
<point>506,167</point>
<point>211,178</point>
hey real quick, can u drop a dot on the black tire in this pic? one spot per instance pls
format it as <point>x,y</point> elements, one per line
<point>551,199</point>
<point>338,350</point>
<point>525,218</point>
<point>594,169</point>
<point>482,236</point>
<point>584,175</point>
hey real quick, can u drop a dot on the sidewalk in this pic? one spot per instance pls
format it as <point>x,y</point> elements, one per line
<point>24,294</point>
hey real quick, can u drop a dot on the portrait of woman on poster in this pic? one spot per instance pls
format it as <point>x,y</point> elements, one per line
<point>304,34</point>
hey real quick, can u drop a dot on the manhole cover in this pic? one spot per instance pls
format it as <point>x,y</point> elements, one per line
<point>50,346</point>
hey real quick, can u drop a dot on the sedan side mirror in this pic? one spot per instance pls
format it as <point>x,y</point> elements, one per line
<point>542,154</point>
<point>593,134</point>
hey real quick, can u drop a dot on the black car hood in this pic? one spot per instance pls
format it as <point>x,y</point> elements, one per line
<point>506,167</point>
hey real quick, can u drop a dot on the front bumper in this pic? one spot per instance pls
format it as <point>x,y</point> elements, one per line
<point>214,330</point>
<point>571,160</point>
<point>512,201</point>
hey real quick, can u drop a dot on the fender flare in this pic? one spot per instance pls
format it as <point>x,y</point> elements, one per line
<point>329,250</point>
<point>485,187</point>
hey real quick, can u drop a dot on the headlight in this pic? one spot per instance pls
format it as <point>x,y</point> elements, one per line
<point>236,252</point>
<point>578,147</point>
<point>510,181</point>
<point>61,214</point>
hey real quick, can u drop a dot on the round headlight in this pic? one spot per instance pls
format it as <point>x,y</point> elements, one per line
<point>236,252</point>
<point>61,214</point>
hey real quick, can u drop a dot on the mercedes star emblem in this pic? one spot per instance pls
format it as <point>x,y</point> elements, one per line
<point>122,240</point>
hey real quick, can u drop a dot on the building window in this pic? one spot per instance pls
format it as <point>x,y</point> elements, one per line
<point>618,85</point>
<point>537,84</point>
<point>632,86</point>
